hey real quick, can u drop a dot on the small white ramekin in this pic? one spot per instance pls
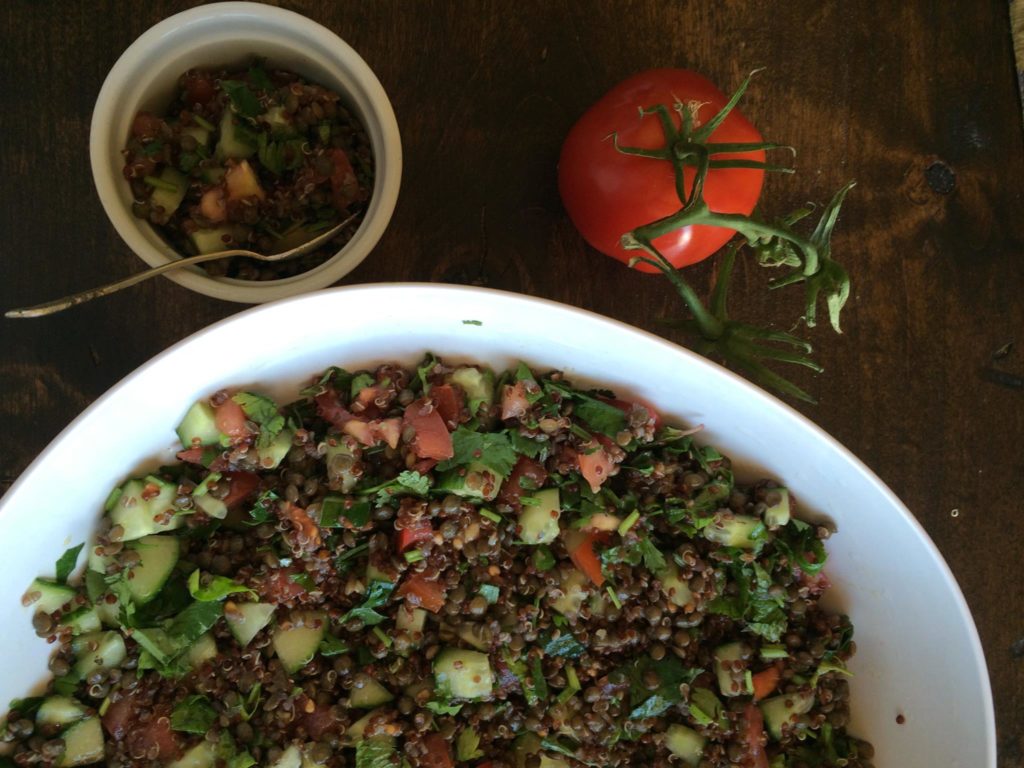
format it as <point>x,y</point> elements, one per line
<point>225,35</point>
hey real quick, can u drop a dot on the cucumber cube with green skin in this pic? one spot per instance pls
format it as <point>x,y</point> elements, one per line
<point>157,557</point>
<point>197,132</point>
<point>473,481</point>
<point>784,711</point>
<point>675,589</point>
<point>477,384</point>
<point>245,620</point>
<point>48,596</point>
<point>296,645</point>
<point>460,674</point>
<point>212,240</point>
<point>99,650</point>
<point>575,587</point>
<point>778,512</point>
<point>731,683</point>
<point>410,622</point>
<point>538,520</point>
<point>546,761</point>
<point>290,758</point>
<point>340,458</point>
<point>732,530</point>
<point>138,507</point>
<point>685,743</point>
<point>355,732</point>
<point>59,712</point>
<point>371,695</point>
<point>271,456</point>
<point>83,621</point>
<point>199,427</point>
<point>232,144</point>
<point>213,507</point>
<point>203,650</point>
<point>83,743</point>
<point>202,755</point>
<point>169,197</point>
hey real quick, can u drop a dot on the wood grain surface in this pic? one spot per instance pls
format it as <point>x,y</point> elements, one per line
<point>918,103</point>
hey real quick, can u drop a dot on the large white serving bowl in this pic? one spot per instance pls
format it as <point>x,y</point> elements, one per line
<point>918,650</point>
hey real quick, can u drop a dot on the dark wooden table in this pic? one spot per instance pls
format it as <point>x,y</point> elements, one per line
<point>919,104</point>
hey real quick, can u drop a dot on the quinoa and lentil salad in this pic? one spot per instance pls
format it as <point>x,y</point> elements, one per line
<point>256,158</point>
<point>436,566</point>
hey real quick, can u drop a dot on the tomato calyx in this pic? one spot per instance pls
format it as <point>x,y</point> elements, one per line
<point>774,243</point>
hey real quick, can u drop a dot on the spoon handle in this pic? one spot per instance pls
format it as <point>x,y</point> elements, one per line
<point>59,305</point>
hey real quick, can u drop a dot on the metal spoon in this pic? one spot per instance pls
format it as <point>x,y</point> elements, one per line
<point>59,305</point>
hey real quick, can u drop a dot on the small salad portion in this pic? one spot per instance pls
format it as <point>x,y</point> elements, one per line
<point>430,566</point>
<point>256,158</point>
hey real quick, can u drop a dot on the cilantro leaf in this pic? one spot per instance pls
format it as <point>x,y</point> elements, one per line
<point>258,77</point>
<point>218,588</point>
<point>467,746</point>
<point>596,414</point>
<point>332,646</point>
<point>565,645</point>
<point>527,446</point>
<point>640,550</point>
<point>494,450</point>
<point>263,510</point>
<point>423,371</point>
<point>375,752</point>
<point>334,376</point>
<point>194,715</point>
<point>360,382</point>
<point>670,672</point>
<point>242,98</point>
<point>443,707</point>
<point>376,596</point>
<point>195,620</point>
<point>333,508</point>
<point>264,412</point>
<point>761,612</point>
<point>66,563</point>
<point>408,483</point>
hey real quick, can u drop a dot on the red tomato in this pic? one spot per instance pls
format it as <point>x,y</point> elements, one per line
<point>279,587</point>
<point>580,546</point>
<point>448,402</point>
<point>231,420</point>
<point>421,530</point>
<point>243,484</point>
<point>527,469</point>
<point>608,193</point>
<point>765,681</point>
<point>146,125</point>
<point>199,88</point>
<point>438,753</point>
<point>432,440</point>
<point>595,465</point>
<point>329,408</point>
<point>120,721</point>
<point>753,736</point>
<point>514,404</point>
<point>192,455</point>
<point>422,593</point>
<point>344,185</point>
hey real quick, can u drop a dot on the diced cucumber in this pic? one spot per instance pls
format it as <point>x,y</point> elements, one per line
<point>575,589</point>
<point>478,636</point>
<point>474,481</point>
<point>83,621</point>
<point>477,384</point>
<point>214,507</point>
<point>48,596</point>
<point>199,427</point>
<point>232,143</point>
<point>731,683</point>
<point>675,589</point>
<point>157,557</point>
<point>356,731</point>
<point>371,695</point>
<point>307,757</point>
<point>277,119</point>
<point>59,712</point>
<point>202,755</point>
<point>212,240</point>
<point>96,562</point>
<point>83,743</point>
<point>538,520</point>
<point>778,512</point>
<point>213,174</point>
<point>109,613</point>
<point>197,132</point>
<point>271,456</point>
<point>732,530</point>
<point>460,674</point>
<point>99,650</point>
<point>525,745</point>
<point>296,645</point>
<point>410,622</point>
<point>685,743</point>
<point>203,650</point>
<point>169,198</point>
<point>290,758</point>
<point>140,503</point>
<point>546,761</point>
<point>785,711</point>
<point>246,619</point>
<point>339,458</point>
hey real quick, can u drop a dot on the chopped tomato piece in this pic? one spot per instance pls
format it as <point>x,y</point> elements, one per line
<point>388,430</point>
<point>448,402</point>
<point>231,420</point>
<point>303,523</point>
<point>754,738</point>
<point>199,88</point>
<point>514,404</point>
<point>432,440</point>
<point>121,722</point>
<point>146,125</point>
<point>816,583</point>
<point>437,754</point>
<point>765,682</point>
<point>243,484</point>
<point>279,587</point>
<point>360,430</point>
<point>422,593</point>
<point>421,530</point>
<point>192,455</point>
<point>344,184</point>
<point>580,546</point>
<point>527,475</point>
<point>595,465</point>
<point>628,405</point>
<point>212,205</point>
<point>330,409</point>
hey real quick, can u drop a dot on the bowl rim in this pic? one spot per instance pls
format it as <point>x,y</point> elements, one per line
<point>394,291</point>
<point>387,155</point>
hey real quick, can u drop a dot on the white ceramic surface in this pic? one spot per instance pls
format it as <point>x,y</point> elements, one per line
<point>229,34</point>
<point>919,653</point>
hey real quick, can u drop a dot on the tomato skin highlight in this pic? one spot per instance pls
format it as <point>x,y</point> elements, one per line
<point>432,440</point>
<point>422,593</point>
<point>765,682</point>
<point>608,193</point>
<point>422,530</point>
<point>581,551</point>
